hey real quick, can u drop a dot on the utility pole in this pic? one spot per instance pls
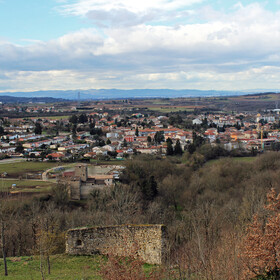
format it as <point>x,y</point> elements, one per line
<point>79,99</point>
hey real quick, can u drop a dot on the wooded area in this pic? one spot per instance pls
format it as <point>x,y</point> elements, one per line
<point>210,211</point>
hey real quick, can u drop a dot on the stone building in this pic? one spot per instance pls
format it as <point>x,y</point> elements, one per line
<point>81,184</point>
<point>146,242</point>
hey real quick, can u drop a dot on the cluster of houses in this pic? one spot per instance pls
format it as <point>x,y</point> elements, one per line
<point>136,135</point>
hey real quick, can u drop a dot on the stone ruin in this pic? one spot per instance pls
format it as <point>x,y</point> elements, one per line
<point>80,183</point>
<point>146,242</point>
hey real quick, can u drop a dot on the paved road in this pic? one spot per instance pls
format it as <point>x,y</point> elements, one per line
<point>45,173</point>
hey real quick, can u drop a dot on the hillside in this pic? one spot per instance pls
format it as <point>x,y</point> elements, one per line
<point>22,99</point>
<point>96,94</point>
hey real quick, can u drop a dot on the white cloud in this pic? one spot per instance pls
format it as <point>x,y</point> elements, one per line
<point>225,51</point>
<point>107,13</point>
<point>45,80</point>
<point>262,77</point>
<point>82,7</point>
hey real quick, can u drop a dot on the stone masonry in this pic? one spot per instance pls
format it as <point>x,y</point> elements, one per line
<point>146,242</point>
<point>80,185</point>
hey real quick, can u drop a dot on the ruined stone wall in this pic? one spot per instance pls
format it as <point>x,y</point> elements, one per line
<point>146,242</point>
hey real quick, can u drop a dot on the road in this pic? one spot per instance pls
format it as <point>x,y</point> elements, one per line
<point>45,173</point>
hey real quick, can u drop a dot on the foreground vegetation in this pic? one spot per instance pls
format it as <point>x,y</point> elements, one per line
<point>206,208</point>
<point>64,268</point>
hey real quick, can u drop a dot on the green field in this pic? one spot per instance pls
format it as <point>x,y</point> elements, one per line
<point>63,267</point>
<point>19,168</point>
<point>169,109</point>
<point>58,117</point>
<point>107,162</point>
<point>245,159</point>
<point>53,117</point>
<point>160,101</point>
<point>239,159</point>
<point>25,185</point>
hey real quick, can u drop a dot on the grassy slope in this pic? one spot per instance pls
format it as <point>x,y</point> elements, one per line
<point>63,267</point>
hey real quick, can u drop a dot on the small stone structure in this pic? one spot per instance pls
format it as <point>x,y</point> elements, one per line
<point>81,184</point>
<point>146,242</point>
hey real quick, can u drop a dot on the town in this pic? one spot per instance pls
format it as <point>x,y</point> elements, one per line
<point>114,132</point>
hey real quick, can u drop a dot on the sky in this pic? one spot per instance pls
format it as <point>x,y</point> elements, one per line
<point>127,44</point>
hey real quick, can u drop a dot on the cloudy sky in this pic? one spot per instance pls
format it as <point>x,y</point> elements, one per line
<point>128,44</point>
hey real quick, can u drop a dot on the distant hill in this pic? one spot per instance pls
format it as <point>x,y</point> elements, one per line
<point>99,94</point>
<point>22,99</point>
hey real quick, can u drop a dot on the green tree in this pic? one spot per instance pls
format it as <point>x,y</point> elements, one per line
<point>124,143</point>
<point>153,188</point>
<point>149,188</point>
<point>191,148</point>
<point>178,149</point>
<point>83,118</point>
<point>96,131</point>
<point>101,143</point>
<point>159,137</point>
<point>175,120</point>
<point>74,131</point>
<point>169,149</point>
<point>197,140</point>
<point>169,140</point>
<point>19,148</point>
<point>136,132</point>
<point>204,123</point>
<point>73,119</point>
<point>38,128</point>
<point>92,124</point>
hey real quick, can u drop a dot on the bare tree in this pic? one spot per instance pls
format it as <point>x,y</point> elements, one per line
<point>6,213</point>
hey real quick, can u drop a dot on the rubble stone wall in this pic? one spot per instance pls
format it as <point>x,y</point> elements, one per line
<point>146,242</point>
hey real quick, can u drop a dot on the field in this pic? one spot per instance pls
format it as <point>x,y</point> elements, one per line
<point>54,117</point>
<point>63,267</point>
<point>58,118</point>
<point>20,168</point>
<point>227,103</point>
<point>25,185</point>
<point>239,159</point>
<point>107,162</point>
<point>169,109</point>
<point>245,159</point>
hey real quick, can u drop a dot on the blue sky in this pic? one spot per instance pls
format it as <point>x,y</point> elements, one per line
<point>178,44</point>
<point>35,20</point>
